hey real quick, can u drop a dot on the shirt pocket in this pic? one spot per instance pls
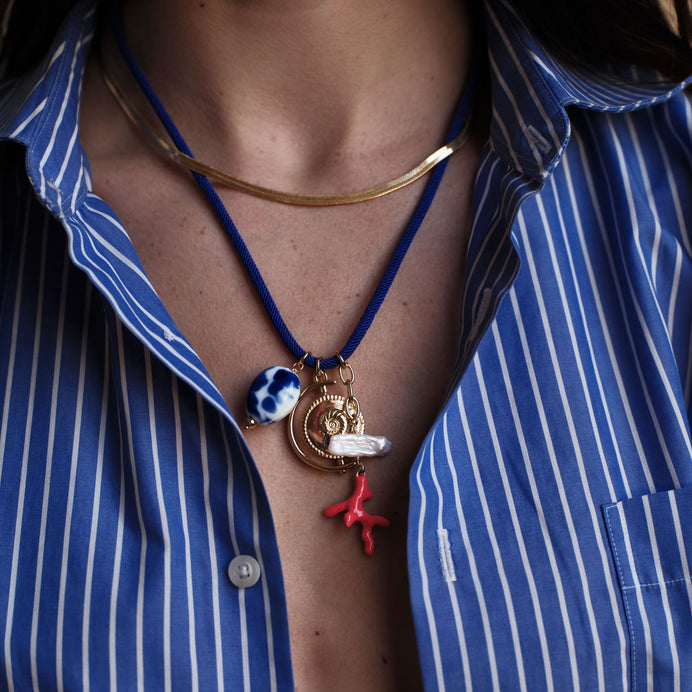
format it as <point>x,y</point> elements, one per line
<point>651,541</point>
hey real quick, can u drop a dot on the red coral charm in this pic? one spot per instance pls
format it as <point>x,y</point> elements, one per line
<point>353,507</point>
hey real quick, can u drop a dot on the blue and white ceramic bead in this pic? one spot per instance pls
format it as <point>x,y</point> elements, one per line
<point>272,395</point>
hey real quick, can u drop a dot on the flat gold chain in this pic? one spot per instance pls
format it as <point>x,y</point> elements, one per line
<point>267,193</point>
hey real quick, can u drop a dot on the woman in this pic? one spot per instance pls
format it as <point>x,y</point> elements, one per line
<point>529,364</point>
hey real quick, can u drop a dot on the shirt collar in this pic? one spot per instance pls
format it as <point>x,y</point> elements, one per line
<point>41,111</point>
<point>532,90</point>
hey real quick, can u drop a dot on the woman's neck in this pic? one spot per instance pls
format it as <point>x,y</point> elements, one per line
<point>309,80</point>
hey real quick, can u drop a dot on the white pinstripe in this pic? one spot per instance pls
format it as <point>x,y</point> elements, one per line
<point>664,593</point>
<point>681,547</point>
<point>24,124</point>
<point>13,348</point>
<point>494,672</point>
<point>432,627</point>
<point>186,537</point>
<point>94,520</point>
<point>73,463</point>
<point>164,527</point>
<point>640,603</point>
<point>113,614</point>
<point>459,625</point>
<point>211,543</point>
<point>139,633</point>
<point>24,465</point>
<point>244,643</point>
<point>273,682</point>
<point>58,121</point>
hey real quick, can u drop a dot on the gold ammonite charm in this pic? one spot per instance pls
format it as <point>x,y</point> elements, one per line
<point>322,418</point>
<point>328,416</point>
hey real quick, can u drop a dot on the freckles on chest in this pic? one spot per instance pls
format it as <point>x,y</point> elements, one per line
<point>401,370</point>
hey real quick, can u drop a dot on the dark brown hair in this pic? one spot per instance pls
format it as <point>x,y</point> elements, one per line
<point>654,34</point>
<point>28,27</point>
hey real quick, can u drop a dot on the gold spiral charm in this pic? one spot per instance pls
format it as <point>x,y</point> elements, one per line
<point>322,417</point>
<point>328,416</point>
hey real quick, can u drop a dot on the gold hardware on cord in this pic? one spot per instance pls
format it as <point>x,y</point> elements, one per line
<point>352,407</point>
<point>291,198</point>
<point>300,364</point>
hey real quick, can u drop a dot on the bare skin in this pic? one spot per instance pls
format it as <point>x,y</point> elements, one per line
<point>323,96</point>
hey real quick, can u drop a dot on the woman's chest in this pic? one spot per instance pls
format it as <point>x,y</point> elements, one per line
<point>349,614</point>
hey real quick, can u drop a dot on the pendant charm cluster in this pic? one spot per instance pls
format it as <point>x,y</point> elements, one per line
<point>325,430</point>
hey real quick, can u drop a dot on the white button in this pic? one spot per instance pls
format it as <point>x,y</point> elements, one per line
<point>244,571</point>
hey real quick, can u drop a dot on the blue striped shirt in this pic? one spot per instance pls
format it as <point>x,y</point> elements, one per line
<point>550,518</point>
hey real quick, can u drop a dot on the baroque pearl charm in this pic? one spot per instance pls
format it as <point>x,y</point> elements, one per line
<point>272,396</point>
<point>355,445</point>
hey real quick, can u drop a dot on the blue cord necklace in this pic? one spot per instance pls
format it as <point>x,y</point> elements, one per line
<point>325,430</point>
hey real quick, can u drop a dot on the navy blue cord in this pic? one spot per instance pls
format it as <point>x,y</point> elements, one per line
<point>383,286</point>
